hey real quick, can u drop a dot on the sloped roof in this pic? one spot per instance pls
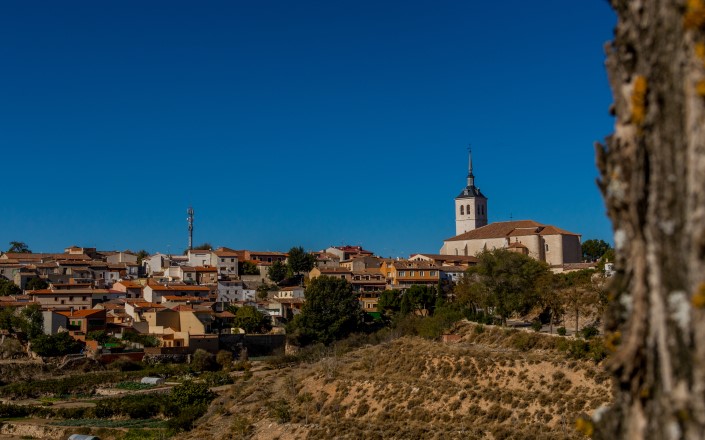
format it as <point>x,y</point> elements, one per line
<point>509,229</point>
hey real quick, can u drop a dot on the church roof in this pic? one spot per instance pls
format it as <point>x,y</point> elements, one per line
<point>510,229</point>
<point>470,192</point>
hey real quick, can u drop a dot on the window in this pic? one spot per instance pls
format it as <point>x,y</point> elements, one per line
<point>222,260</point>
<point>546,247</point>
<point>232,260</point>
<point>478,210</point>
<point>401,273</point>
<point>421,273</point>
<point>432,273</point>
<point>411,273</point>
<point>462,210</point>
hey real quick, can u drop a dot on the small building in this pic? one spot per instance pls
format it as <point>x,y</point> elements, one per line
<point>152,380</point>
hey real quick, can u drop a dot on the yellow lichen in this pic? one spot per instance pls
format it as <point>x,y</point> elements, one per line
<point>698,299</point>
<point>700,51</point>
<point>638,100</point>
<point>584,426</point>
<point>694,14</point>
<point>700,87</point>
<point>612,340</point>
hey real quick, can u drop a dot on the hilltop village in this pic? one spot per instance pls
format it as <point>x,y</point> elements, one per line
<point>264,333</point>
<point>184,302</point>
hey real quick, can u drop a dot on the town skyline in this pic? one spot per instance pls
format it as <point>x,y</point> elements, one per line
<point>312,125</point>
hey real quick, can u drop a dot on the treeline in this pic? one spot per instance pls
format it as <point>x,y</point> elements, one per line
<point>502,285</point>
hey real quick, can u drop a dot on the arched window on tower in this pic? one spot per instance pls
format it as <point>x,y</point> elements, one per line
<point>467,209</point>
<point>462,212</point>
<point>478,209</point>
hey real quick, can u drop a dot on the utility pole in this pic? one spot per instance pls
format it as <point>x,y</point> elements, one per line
<point>189,211</point>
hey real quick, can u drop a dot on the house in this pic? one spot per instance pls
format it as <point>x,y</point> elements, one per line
<point>131,289</point>
<point>153,293</point>
<point>198,257</point>
<point>338,272</point>
<point>446,260</point>
<point>80,322</point>
<point>289,292</point>
<point>226,262</point>
<point>206,275</point>
<point>402,274</point>
<point>80,298</point>
<point>324,260</point>
<point>348,252</point>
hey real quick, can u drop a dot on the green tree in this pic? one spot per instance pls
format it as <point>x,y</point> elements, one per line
<point>9,288</point>
<point>36,283</point>
<point>55,345</point>
<point>594,249</point>
<point>331,312</point>
<point>201,360</point>
<point>141,255</point>
<point>32,321</point>
<point>277,271</point>
<point>577,292</point>
<point>249,268</point>
<point>299,261</point>
<point>252,320</point>
<point>471,295</point>
<point>191,393</point>
<point>422,298</point>
<point>389,302</point>
<point>7,318</point>
<point>19,247</point>
<point>203,247</point>
<point>224,358</point>
<point>510,279</point>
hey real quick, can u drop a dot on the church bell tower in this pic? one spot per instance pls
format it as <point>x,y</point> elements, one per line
<point>470,205</point>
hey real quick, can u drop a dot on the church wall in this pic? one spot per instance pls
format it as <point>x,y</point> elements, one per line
<point>572,250</point>
<point>554,254</point>
<point>474,247</point>
<point>533,242</point>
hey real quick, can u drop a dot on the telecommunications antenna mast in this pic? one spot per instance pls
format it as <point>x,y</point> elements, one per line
<point>189,211</point>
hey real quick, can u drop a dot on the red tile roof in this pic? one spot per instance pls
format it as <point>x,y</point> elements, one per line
<point>507,229</point>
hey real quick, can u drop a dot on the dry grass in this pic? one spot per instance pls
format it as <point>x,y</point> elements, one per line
<point>413,388</point>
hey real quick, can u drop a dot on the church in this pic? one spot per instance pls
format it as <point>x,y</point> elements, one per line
<point>547,243</point>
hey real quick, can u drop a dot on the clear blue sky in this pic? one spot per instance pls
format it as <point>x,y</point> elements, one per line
<point>296,122</point>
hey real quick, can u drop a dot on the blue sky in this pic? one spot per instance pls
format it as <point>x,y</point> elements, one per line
<point>309,123</point>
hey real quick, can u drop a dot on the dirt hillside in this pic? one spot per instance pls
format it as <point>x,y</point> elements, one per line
<point>409,388</point>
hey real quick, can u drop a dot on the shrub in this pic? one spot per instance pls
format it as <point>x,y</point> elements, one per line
<point>589,331</point>
<point>536,325</point>
<point>56,345</point>
<point>561,331</point>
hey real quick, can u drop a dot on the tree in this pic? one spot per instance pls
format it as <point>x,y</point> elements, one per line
<point>510,280</point>
<point>224,358</point>
<point>32,322</point>
<point>141,255</point>
<point>201,360</point>
<point>249,268</point>
<point>8,288</point>
<point>203,247</point>
<point>252,320</point>
<point>331,312</point>
<point>422,298</point>
<point>594,249</point>
<point>191,393</point>
<point>652,178</point>
<point>19,247</point>
<point>575,289</point>
<point>389,301</point>
<point>277,271</point>
<point>36,283</point>
<point>299,261</point>
<point>55,345</point>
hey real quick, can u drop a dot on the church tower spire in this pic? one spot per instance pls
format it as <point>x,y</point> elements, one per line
<point>471,177</point>
<point>470,205</point>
